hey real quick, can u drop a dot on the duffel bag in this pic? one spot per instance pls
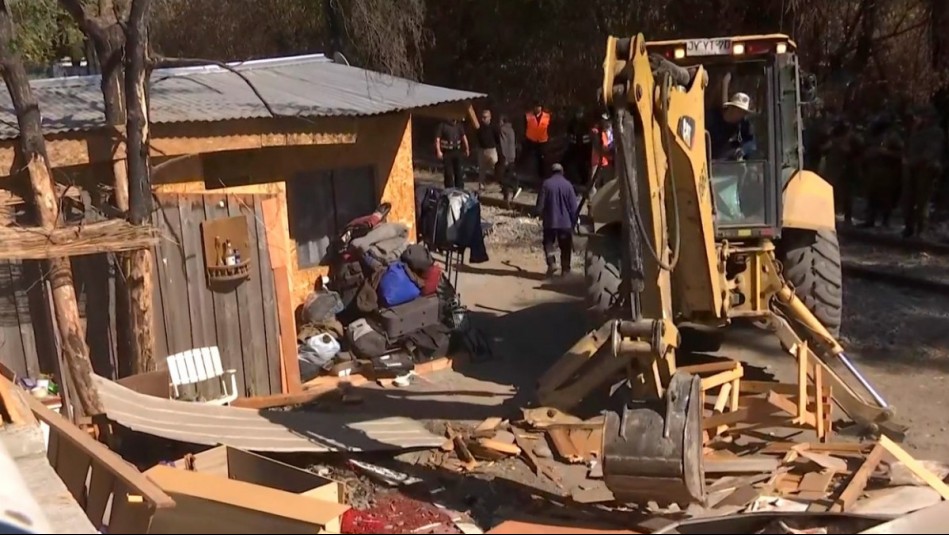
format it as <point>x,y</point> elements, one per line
<point>396,286</point>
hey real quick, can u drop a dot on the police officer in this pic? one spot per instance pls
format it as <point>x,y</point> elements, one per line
<point>579,149</point>
<point>450,140</point>
<point>883,170</point>
<point>922,161</point>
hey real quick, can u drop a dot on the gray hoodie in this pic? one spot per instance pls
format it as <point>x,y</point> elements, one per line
<point>508,147</point>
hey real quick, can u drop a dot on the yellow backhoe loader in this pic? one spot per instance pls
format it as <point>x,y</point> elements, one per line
<point>684,238</point>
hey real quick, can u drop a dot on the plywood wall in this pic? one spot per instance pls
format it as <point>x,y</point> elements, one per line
<point>383,142</point>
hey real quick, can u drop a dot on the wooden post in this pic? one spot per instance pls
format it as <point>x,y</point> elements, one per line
<point>141,263</point>
<point>32,152</point>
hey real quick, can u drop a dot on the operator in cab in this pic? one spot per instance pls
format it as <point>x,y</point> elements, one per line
<point>730,130</point>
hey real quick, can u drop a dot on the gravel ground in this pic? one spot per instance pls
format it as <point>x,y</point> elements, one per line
<point>919,264</point>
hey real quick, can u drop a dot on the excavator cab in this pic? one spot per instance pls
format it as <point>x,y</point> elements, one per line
<point>760,198</point>
<point>747,190</point>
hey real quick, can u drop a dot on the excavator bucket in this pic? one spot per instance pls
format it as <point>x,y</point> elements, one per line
<point>652,449</point>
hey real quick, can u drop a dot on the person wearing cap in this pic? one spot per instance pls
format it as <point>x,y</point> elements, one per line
<point>557,205</point>
<point>922,163</point>
<point>730,130</point>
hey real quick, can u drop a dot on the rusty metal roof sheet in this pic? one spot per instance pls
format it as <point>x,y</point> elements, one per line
<point>249,429</point>
<point>309,86</point>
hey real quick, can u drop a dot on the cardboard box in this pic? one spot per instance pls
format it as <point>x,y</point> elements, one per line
<point>228,490</point>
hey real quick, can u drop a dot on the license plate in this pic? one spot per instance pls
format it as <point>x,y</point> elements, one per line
<point>708,47</point>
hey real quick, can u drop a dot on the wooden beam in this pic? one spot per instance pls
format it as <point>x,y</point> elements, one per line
<point>110,236</point>
<point>190,138</point>
<point>135,480</point>
<point>858,482</point>
<point>277,248</point>
<point>915,466</point>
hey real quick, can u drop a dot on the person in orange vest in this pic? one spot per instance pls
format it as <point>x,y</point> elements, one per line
<point>602,155</point>
<point>536,136</point>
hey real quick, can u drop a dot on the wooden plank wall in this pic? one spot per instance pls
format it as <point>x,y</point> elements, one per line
<point>240,319</point>
<point>26,343</point>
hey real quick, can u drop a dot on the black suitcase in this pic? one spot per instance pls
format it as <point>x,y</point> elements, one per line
<point>398,321</point>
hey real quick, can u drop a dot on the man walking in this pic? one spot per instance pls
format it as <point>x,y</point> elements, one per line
<point>450,139</point>
<point>507,155</point>
<point>557,204</point>
<point>922,162</point>
<point>536,136</point>
<point>488,138</point>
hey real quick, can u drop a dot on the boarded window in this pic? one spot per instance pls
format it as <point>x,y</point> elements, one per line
<point>320,203</point>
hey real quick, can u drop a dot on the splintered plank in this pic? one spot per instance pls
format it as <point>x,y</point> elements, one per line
<point>858,482</point>
<point>814,485</point>
<point>915,466</point>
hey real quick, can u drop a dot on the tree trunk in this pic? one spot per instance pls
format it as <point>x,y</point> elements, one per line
<point>141,263</point>
<point>32,150</point>
<point>109,38</point>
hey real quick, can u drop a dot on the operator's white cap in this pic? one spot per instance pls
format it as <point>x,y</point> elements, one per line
<point>741,101</point>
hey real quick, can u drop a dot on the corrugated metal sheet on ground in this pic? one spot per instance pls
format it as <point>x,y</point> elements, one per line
<point>254,430</point>
<point>307,86</point>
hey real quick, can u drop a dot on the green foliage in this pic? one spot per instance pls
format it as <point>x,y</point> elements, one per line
<point>43,31</point>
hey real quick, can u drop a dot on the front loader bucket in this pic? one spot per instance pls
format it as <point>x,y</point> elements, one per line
<point>652,450</point>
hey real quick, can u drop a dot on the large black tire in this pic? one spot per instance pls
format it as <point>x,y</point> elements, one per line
<point>812,265</point>
<point>604,275</point>
<point>602,267</point>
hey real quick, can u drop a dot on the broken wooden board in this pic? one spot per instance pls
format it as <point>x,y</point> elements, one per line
<point>915,466</point>
<point>238,465</point>
<point>235,506</point>
<point>543,417</point>
<point>736,465</point>
<point>858,482</point>
<point>576,445</point>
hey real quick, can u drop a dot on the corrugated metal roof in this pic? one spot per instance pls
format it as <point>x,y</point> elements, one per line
<point>252,430</point>
<point>309,86</point>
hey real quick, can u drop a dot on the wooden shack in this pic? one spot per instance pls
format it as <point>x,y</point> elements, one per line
<point>276,172</point>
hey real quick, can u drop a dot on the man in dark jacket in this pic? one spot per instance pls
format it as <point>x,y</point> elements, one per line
<point>450,139</point>
<point>557,204</point>
<point>732,135</point>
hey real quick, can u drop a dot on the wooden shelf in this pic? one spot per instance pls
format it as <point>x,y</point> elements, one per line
<point>229,273</point>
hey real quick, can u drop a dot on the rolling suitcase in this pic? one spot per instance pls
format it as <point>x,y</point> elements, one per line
<point>407,318</point>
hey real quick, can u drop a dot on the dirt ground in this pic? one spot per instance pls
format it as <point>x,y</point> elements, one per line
<point>899,338</point>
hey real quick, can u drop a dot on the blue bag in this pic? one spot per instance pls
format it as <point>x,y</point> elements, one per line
<point>396,287</point>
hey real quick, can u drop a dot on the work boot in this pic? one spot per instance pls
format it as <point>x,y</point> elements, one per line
<point>551,272</point>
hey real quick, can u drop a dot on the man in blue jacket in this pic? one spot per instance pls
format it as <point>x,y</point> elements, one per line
<point>730,130</point>
<point>557,204</point>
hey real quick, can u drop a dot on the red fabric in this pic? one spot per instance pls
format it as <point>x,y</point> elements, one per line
<point>432,276</point>
<point>370,221</point>
<point>398,514</point>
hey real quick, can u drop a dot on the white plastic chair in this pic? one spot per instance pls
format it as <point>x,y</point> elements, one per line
<point>198,365</point>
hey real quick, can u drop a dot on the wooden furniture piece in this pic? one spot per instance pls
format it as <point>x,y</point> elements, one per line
<point>196,366</point>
